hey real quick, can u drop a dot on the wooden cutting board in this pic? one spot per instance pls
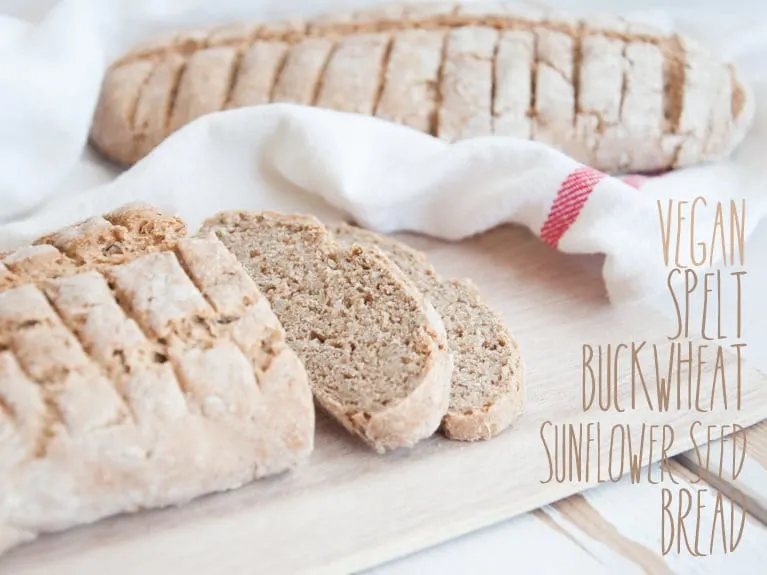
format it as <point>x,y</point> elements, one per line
<point>350,509</point>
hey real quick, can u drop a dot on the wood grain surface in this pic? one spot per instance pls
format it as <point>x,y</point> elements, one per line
<point>613,529</point>
<point>747,478</point>
<point>350,509</point>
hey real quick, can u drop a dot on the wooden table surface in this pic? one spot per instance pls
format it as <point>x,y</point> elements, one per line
<point>349,509</point>
<point>617,528</point>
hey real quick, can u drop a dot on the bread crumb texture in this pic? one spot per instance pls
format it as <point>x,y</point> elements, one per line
<point>487,393</point>
<point>375,354</point>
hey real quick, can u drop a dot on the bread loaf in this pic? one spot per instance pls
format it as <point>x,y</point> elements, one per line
<point>375,352</point>
<point>139,368</point>
<point>615,95</point>
<point>487,393</point>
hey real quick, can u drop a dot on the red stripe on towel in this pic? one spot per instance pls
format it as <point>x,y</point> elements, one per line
<point>635,180</point>
<point>571,198</point>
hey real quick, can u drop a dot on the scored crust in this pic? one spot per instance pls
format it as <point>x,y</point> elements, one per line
<point>487,393</point>
<point>375,352</point>
<point>613,94</point>
<point>139,368</point>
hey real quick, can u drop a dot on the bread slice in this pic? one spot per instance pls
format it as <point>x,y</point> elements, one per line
<point>139,368</point>
<point>375,352</point>
<point>487,392</point>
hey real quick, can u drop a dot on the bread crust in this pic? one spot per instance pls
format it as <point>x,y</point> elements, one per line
<point>616,95</point>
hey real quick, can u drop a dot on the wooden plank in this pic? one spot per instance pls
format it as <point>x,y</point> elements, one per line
<point>526,543</point>
<point>737,466</point>
<point>350,509</point>
<point>615,528</point>
<point>750,480</point>
<point>629,520</point>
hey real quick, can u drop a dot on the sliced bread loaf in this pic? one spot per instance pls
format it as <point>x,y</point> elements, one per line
<point>375,352</point>
<point>487,392</point>
<point>139,368</point>
<point>612,93</point>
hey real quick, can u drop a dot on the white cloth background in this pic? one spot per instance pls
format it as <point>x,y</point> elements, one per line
<point>386,177</point>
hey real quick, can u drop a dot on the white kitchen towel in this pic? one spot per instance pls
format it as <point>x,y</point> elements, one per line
<point>383,176</point>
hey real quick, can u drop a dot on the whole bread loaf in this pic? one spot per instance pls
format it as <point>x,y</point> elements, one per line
<point>612,94</point>
<point>139,368</point>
